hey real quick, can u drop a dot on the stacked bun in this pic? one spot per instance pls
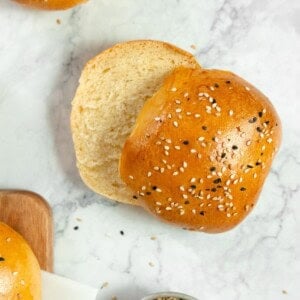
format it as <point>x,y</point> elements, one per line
<point>20,276</point>
<point>192,146</point>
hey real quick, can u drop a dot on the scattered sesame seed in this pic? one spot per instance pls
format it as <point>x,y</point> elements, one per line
<point>158,143</point>
<point>168,208</point>
<point>143,188</point>
<point>193,151</point>
<point>173,89</point>
<point>169,141</point>
<point>199,155</point>
<point>230,113</point>
<point>185,164</point>
<point>175,123</point>
<point>264,111</point>
<point>156,168</point>
<point>166,147</point>
<point>248,143</point>
<point>211,88</point>
<point>157,118</point>
<point>269,140</point>
<point>177,101</point>
<point>177,147</point>
<point>178,110</point>
<point>184,196</point>
<point>130,177</point>
<point>181,169</point>
<point>149,174</point>
<point>169,116</point>
<point>201,138</point>
<point>22,282</point>
<point>175,173</point>
<point>158,190</point>
<point>8,239</point>
<point>185,95</point>
<point>166,153</point>
<point>162,170</point>
<point>247,88</point>
<point>158,203</point>
<point>194,211</point>
<point>193,180</point>
<point>254,175</point>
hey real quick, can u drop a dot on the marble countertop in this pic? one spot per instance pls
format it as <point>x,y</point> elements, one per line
<point>41,57</point>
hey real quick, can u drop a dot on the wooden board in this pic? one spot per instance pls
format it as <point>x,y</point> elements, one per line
<point>31,216</point>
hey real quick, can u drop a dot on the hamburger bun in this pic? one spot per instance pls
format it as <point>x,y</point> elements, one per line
<point>113,89</point>
<point>20,276</point>
<point>201,149</point>
<point>51,4</point>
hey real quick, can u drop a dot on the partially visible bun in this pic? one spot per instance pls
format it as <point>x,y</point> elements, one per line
<point>113,88</point>
<point>201,149</point>
<point>51,4</point>
<point>20,276</point>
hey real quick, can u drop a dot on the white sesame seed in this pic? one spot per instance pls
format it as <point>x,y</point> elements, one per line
<point>185,95</point>
<point>247,170</point>
<point>208,176</point>
<point>264,111</point>
<point>181,212</point>
<point>211,88</point>
<point>142,194</point>
<point>261,135</point>
<point>178,110</point>
<point>201,94</point>
<point>184,196</point>
<point>230,113</point>
<point>149,174</point>
<point>197,116</point>
<point>199,155</point>
<point>143,188</point>
<point>269,140</point>
<point>193,180</point>
<point>248,143</point>
<point>169,167</point>
<point>241,179</point>
<point>168,208</point>
<point>263,148</point>
<point>214,105</point>
<point>173,89</point>
<point>221,207</point>
<point>201,138</point>
<point>157,119</point>
<point>181,188</point>
<point>130,177</point>
<point>8,239</point>
<point>158,203</point>
<point>158,143</point>
<point>177,101</point>
<point>194,211</point>
<point>235,181</point>
<point>162,170</point>
<point>203,144</point>
<point>188,113</point>
<point>166,147</point>
<point>247,88</point>
<point>166,153</point>
<point>175,173</point>
<point>218,108</point>
<point>211,99</point>
<point>232,176</point>
<point>169,116</point>
<point>158,190</point>
<point>201,180</point>
<point>208,107</point>
<point>185,164</point>
<point>177,147</point>
<point>208,197</point>
<point>219,174</point>
<point>181,169</point>
<point>227,182</point>
<point>169,141</point>
<point>156,168</point>
<point>223,169</point>
<point>193,151</point>
<point>15,273</point>
<point>228,215</point>
<point>254,175</point>
<point>175,123</point>
<point>22,282</point>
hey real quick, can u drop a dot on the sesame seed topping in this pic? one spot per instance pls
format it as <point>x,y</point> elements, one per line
<point>156,168</point>
<point>178,110</point>
<point>130,177</point>
<point>166,153</point>
<point>254,175</point>
<point>185,164</point>
<point>157,118</point>
<point>264,111</point>
<point>162,170</point>
<point>175,173</point>
<point>158,203</point>
<point>248,143</point>
<point>247,88</point>
<point>269,140</point>
<point>185,95</point>
<point>211,88</point>
<point>194,211</point>
<point>175,123</point>
<point>169,141</point>
<point>173,89</point>
<point>168,208</point>
<point>184,196</point>
<point>149,174</point>
<point>177,147</point>
<point>201,138</point>
<point>169,116</point>
<point>22,282</point>
<point>193,180</point>
<point>199,155</point>
<point>158,190</point>
<point>143,187</point>
<point>182,188</point>
<point>181,169</point>
<point>166,147</point>
<point>230,113</point>
<point>188,113</point>
<point>197,116</point>
<point>193,151</point>
<point>177,101</point>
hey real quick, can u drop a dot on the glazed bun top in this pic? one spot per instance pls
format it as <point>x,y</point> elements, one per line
<point>20,276</point>
<point>201,149</point>
<point>51,4</point>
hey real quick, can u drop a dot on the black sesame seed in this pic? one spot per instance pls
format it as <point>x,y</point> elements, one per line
<point>261,153</point>
<point>2,259</point>
<point>234,147</point>
<point>75,227</point>
<point>185,142</point>
<point>204,127</point>
<point>258,129</point>
<point>186,202</point>
<point>121,232</point>
<point>216,85</point>
<point>218,180</point>
<point>212,169</point>
<point>249,166</point>
<point>258,163</point>
<point>134,197</point>
<point>193,186</point>
<point>223,155</point>
<point>148,193</point>
<point>219,186</point>
<point>253,120</point>
<point>276,124</point>
<point>154,187</point>
<point>260,114</point>
<point>268,122</point>
<point>214,101</point>
<point>243,189</point>
<point>213,189</point>
<point>228,81</point>
<point>202,213</point>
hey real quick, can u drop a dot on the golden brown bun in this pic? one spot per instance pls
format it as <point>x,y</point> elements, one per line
<point>51,4</point>
<point>113,89</point>
<point>201,149</point>
<point>20,276</point>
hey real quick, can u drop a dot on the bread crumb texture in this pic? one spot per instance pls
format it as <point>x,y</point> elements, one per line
<point>201,149</point>
<point>113,88</point>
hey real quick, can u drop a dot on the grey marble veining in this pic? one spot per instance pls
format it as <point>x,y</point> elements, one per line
<point>40,63</point>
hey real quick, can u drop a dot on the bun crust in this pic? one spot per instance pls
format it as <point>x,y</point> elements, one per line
<point>113,88</point>
<point>20,276</point>
<point>201,149</point>
<point>51,4</point>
